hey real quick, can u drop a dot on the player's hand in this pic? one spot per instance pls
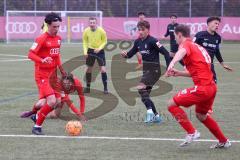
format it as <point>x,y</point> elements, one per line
<point>227,67</point>
<point>124,54</point>
<point>47,60</point>
<point>97,50</point>
<point>171,54</point>
<point>82,117</point>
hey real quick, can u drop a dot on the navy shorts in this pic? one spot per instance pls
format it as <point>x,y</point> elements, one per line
<point>100,57</point>
<point>173,48</point>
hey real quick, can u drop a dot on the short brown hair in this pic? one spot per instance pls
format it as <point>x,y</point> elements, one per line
<point>213,18</point>
<point>68,76</point>
<point>143,24</point>
<point>92,18</point>
<point>184,29</point>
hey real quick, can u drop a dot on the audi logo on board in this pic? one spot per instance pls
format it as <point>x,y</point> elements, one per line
<point>21,27</point>
<point>196,27</point>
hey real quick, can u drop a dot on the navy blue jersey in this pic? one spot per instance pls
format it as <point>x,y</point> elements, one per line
<point>149,48</point>
<point>170,32</point>
<point>210,43</point>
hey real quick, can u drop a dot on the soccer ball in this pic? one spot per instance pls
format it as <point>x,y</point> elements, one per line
<point>73,128</point>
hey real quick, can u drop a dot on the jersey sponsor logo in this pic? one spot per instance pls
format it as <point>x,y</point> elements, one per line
<point>54,51</point>
<point>34,46</point>
<point>145,52</point>
<point>205,44</point>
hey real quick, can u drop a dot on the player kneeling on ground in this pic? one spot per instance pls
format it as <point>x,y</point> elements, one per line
<point>68,84</point>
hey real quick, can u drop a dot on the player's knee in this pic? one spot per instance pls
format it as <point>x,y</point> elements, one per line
<point>171,103</point>
<point>201,117</point>
<point>103,69</point>
<point>144,94</point>
<point>52,102</point>
<point>40,103</point>
<point>89,70</point>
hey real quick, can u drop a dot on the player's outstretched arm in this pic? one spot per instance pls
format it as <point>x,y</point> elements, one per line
<point>157,45</point>
<point>220,60</point>
<point>130,53</point>
<point>179,55</point>
<point>79,88</point>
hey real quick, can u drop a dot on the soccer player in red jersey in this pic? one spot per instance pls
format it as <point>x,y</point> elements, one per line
<point>198,67</point>
<point>45,52</point>
<point>65,86</point>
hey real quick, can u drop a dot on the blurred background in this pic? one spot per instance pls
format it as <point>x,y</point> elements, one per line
<point>129,8</point>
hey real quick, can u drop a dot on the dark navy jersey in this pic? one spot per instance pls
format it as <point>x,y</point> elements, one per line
<point>149,48</point>
<point>210,43</point>
<point>170,31</point>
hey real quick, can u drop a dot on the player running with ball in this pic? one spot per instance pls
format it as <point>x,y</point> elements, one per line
<point>45,52</point>
<point>149,47</point>
<point>202,94</point>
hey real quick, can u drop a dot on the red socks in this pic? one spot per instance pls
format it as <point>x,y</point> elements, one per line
<point>209,122</point>
<point>41,115</point>
<point>213,127</point>
<point>182,119</point>
<point>139,58</point>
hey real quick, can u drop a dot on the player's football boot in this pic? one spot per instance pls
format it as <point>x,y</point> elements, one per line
<point>149,117</point>
<point>86,90</point>
<point>34,118</point>
<point>37,131</point>
<point>157,119</point>
<point>105,91</point>
<point>227,144</point>
<point>26,114</point>
<point>190,138</point>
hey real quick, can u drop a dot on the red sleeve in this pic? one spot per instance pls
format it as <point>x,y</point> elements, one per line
<point>34,57</point>
<point>79,89</point>
<point>34,50</point>
<point>71,105</point>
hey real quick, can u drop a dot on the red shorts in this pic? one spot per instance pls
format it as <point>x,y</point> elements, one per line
<point>45,89</point>
<point>201,96</point>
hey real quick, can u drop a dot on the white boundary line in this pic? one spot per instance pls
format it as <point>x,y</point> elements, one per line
<point>14,60</point>
<point>13,55</point>
<point>110,138</point>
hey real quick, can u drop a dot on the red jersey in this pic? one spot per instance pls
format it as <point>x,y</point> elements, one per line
<point>198,63</point>
<point>45,46</point>
<point>77,87</point>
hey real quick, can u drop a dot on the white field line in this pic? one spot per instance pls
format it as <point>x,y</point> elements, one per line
<point>12,55</point>
<point>109,60</point>
<point>14,60</point>
<point>109,138</point>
